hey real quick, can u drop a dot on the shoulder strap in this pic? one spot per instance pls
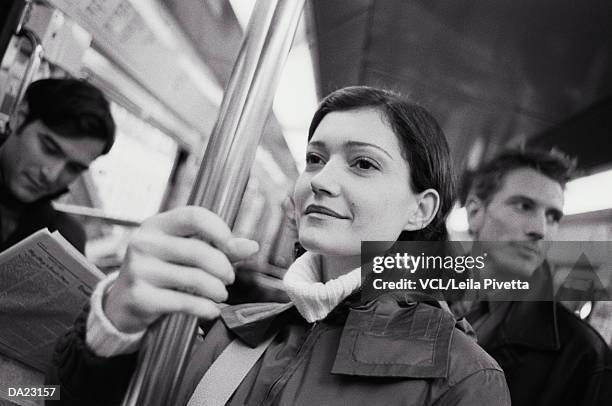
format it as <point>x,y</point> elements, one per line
<point>217,385</point>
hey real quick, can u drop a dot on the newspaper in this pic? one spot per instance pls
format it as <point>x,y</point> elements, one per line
<point>44,284</point>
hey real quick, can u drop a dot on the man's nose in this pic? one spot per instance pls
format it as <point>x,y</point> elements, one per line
<point>51,170</point>
<point>535,227</point>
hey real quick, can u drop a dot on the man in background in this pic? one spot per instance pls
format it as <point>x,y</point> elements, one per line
<point>61,126</point>
<point>549,356</point>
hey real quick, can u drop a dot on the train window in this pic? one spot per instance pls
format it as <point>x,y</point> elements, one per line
<point>131,180</point>
<point>12,69</point>
<point>586,194</point>
<point>585,310</point>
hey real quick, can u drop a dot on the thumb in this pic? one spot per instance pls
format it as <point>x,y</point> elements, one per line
<point>241,248</point>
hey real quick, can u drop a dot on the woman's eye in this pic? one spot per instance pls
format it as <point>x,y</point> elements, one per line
<point>364,164</point>
<point>313,159</point>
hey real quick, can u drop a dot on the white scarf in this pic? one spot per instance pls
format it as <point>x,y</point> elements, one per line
<point>312,298</point>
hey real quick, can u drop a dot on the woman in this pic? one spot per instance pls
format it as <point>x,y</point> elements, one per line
<point>377,168</point>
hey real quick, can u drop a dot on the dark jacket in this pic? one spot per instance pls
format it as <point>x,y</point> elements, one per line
<point>386,352</point>
<point>551,357</point>
<point>39,215</point>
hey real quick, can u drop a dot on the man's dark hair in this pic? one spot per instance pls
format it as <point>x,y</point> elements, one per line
<point>71,108</point>
<point>485,181</point>
<point>423,143</point>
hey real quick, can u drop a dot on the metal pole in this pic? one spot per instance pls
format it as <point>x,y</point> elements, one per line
<point>32,67</point>
<point>25,16</point>
<point>221,180</point>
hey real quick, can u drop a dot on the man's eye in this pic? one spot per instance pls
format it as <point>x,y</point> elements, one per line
<point>50,148</point>
<point>76,169</point>
<point>523,206</point>
<point>364,164</point>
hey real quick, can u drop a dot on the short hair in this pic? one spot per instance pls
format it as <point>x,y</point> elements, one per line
<point>72,108</point>
<point>424,146</point>
<point>485,181</point>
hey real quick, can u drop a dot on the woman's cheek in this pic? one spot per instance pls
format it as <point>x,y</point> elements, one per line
<point>300,195</point>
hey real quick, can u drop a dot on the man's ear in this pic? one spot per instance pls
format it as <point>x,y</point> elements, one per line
<point>475,209</point>
<point>18,118</point>
<point>428,204</point>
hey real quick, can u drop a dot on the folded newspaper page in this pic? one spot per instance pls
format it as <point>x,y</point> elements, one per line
<point>44,284</point>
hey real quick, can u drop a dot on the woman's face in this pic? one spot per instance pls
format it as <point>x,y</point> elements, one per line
<point>356,185</point>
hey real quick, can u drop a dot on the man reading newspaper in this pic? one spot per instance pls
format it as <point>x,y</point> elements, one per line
<point>61,126</point>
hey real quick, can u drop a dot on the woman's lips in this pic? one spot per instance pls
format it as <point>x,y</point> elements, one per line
<point>313,208</point>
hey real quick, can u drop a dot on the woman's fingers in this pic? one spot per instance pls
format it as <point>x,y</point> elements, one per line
<point>158,301</point>
<point>183,278</point>
<point>193,221</point>
<point>183,251</point>
<point>190,221</point>
<point>178,261</point>
<point>241,248</point>
<point>133,309</point>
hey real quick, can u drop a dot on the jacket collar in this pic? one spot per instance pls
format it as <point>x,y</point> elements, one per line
<point>391,336</point>
<point>30,215</point>
<point>31,218</point>
<point>534,323</point>
<point>251,322</point>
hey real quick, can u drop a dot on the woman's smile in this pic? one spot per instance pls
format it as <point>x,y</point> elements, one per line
<point>319,211</point>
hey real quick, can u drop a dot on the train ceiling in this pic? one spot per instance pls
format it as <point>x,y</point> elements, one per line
<point>499,70</point>
<point>216,34</point>
<point>493,72</point>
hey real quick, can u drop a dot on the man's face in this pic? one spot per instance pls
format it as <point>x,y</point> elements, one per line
<point>38,162</point>
<point>525,213</point>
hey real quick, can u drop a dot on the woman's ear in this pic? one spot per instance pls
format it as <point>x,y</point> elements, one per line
<point>428,204</point>
<point>475,209</point>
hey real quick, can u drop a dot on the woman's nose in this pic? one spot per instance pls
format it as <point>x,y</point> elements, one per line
<point>326,180</point>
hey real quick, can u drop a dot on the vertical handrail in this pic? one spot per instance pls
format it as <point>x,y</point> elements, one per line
<point>221,180</point>
<point>25,16</point>
<point>32,66</point>
<point>33,61</point>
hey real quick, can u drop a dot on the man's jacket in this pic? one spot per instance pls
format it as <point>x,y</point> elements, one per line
<point>551,357</point>
<point>39,215</point>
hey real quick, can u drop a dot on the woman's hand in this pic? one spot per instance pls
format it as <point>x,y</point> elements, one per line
<point>178,261</point>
